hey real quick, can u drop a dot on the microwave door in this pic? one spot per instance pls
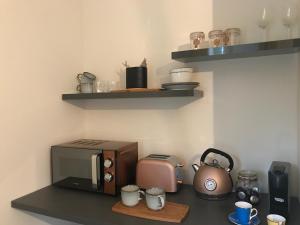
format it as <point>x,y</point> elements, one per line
<point>77,168</point>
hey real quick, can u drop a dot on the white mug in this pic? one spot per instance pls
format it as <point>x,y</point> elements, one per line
<point>274,219</point>
<point>85,88</point>
<point>155,198</point>
<point>131,195</point>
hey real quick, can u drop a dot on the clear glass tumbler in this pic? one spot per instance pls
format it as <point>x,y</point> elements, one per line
<point>232,36</point>
<point>105,86</point>
<point>197,38</point>
<point>216,38</point>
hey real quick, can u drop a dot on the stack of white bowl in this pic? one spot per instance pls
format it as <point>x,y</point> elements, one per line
<point>181,75</point>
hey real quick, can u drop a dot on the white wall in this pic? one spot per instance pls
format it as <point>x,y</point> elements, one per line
<point>249,108</point>
<point>250,105</point>
<point>245,15</point>
<point>40,53</point>
<point>256,99</point>
<point>131,30</point>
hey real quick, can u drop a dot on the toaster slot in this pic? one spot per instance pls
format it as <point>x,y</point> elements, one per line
<point>156,156</point>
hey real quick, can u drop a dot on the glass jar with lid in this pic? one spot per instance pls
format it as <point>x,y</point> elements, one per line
<point>232,36</point>
<point>247,186</point>
<point>216,38</point>
<point>197,38</point>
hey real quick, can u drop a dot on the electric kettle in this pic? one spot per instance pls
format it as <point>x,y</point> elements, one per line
<point>211,181</point>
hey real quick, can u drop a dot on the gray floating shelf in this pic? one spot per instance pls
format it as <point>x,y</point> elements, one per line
<point>146,94</point>
<point>239,51</point>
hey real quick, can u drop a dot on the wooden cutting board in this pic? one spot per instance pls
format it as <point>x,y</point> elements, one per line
<point>172,212</point>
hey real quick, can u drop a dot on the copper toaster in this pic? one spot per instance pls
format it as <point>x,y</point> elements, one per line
<point>162,171</point>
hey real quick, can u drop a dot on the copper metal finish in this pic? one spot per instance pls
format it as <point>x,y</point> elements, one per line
<point>219,175</point>
<point>124,157</point>
<point>158,173</point>
<point>126,162</point>
<point>211,180</point>
<point>110,187</point>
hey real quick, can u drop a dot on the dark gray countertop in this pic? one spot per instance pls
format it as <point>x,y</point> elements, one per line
<point>95,209</point>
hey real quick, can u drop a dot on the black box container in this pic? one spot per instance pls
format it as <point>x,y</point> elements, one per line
<point>279,188</point>
<point>136,77</point>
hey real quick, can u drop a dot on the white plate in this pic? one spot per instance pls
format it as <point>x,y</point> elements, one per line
<point>180,86</point>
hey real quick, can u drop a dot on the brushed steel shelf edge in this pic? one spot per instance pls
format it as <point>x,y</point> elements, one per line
<point>116,95</point>
<point>239,51</point>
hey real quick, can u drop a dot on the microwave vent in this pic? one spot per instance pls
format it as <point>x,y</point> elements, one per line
<point>95,144</point>
<point>87,143</point>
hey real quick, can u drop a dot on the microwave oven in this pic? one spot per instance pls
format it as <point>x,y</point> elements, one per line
<point>94,165</point>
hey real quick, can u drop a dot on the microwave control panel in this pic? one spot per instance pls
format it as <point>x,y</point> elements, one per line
<point>109,172</point>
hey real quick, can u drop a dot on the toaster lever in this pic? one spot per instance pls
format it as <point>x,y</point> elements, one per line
<point>179,182</point>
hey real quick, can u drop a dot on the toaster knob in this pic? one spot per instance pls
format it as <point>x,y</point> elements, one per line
<point>108,163</point>
<point>108,177</point>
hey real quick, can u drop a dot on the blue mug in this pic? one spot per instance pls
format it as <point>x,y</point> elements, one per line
<point>244,212</point>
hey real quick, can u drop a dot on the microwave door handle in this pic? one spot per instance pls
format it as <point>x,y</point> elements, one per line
<point>94,171</point>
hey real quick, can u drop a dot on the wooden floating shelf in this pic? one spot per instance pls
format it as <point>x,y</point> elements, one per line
<point>140,94</point>
<point>239,51</point>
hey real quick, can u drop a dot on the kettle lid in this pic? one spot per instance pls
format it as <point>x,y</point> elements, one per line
<point>215,163</point>
<point>247,175</point>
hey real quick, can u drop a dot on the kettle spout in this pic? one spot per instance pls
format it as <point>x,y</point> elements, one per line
<point>195,167</point>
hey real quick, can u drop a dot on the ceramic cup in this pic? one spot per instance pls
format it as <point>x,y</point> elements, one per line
<point>86,77</point>
<point>155,198</point>
<point>274,219</point>
<point>131,195</point>
<point>85,88</point>
<point>245,212</point>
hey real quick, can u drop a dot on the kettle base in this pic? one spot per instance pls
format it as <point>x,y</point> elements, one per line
<point>213,197</point>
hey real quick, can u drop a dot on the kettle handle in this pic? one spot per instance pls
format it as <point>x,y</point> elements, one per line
<point>219,152</point>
